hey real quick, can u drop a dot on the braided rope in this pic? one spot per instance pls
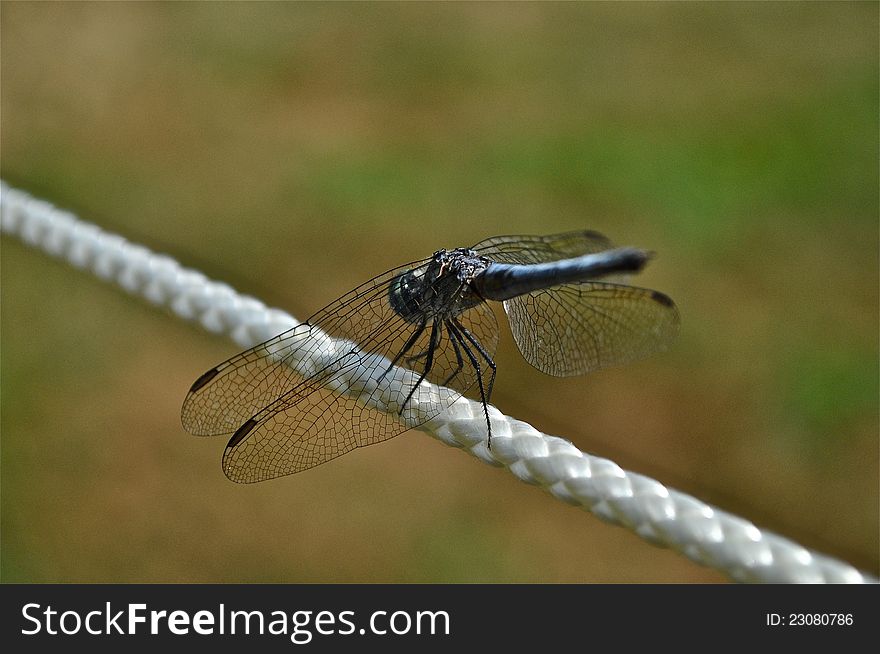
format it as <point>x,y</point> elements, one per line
<point>662,516</point>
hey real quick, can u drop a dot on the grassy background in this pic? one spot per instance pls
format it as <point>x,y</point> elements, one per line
<point>294,150</point>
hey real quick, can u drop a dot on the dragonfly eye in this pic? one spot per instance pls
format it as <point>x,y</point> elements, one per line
<point>404,295</point>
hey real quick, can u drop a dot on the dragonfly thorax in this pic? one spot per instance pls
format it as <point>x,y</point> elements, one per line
<point>439,289</point>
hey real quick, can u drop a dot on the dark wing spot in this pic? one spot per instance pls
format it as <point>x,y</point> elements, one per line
<point>241,433</point>
<point>596,236</point>
<point>204,379</point>
<point>663,299</point>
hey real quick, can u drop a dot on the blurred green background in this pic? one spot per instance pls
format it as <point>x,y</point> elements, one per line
<point>295,150</point>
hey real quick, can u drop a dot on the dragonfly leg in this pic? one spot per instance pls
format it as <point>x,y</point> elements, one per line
<point>407,346</point>
<point>429,362</point>
<point>460,333</point>
<point>482,351</point>
<point>459,362</point>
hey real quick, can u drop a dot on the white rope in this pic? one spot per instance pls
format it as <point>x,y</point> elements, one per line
<point>660,515</point>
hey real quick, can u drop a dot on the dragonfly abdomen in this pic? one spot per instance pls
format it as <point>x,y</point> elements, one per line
<point>502,281</point>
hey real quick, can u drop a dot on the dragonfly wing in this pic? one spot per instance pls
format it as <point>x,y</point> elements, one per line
<point>358,403</point>
<point>576,328</point>
<point>540,249</point>
<point>309,431</point>
<point>223,398</point>
<point>301,398</point>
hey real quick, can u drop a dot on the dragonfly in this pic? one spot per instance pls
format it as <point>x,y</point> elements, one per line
<point>399,349</point>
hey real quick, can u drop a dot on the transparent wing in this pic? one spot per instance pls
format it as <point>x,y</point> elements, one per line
<point>573,329</point>
<point>539,249</point>
<point>328,385</point>
<point>576,328</point>
<point>323,420</point>
<point>222,399</point>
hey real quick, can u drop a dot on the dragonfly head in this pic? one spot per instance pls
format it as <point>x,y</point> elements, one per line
<point>439,288</point>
